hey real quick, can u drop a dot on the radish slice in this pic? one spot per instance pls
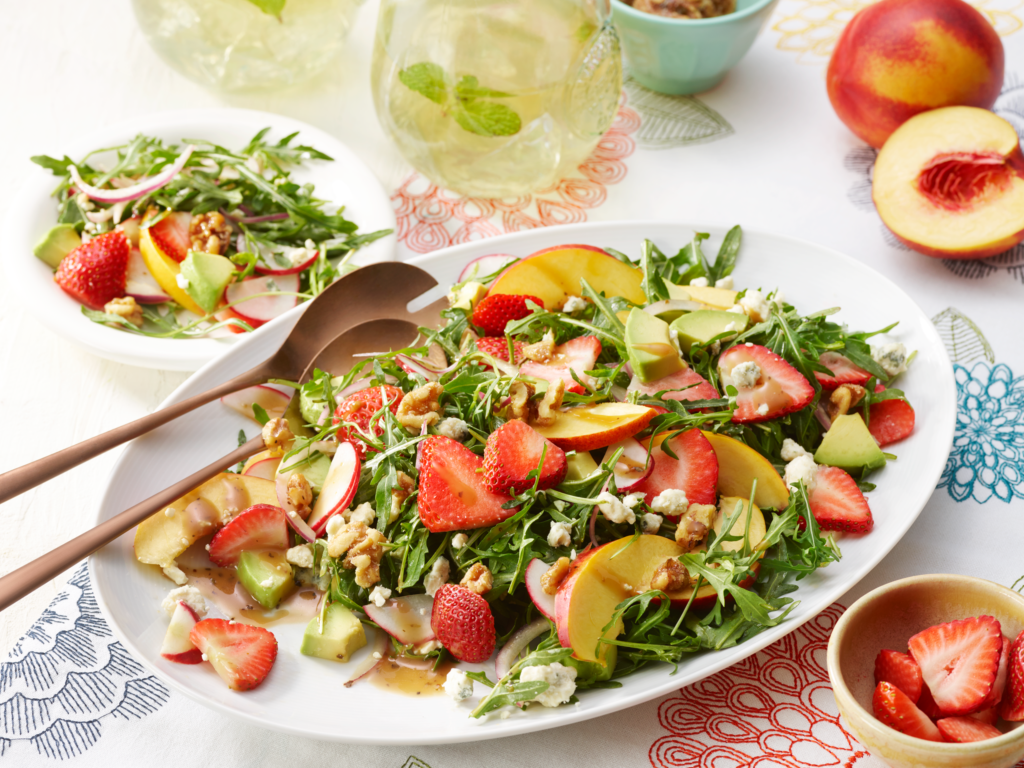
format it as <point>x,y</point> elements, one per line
<point>483,266</point>
<point>134,192</point>
<point>545,603</point>
<point>370,662</point>
<point>516,644</point>
<point>177,646</point>
<point>305,263</point>
<point>672,305</point>
<point>339,486</point>
<point>407,619</point>
<point>264,468</point>
<point>262,309</point>
<point>273,401</point>
<point>633,466</point>
<point>299,526</point>
<point>140,284</point>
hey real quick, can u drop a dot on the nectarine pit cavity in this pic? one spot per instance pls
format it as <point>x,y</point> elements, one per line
<point>956,181</point>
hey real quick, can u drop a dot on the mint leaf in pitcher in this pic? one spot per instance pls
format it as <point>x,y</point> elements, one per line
<point>466,101</point>
<point>485,118</point>
<point>426,79</point>
<point>270,7</point>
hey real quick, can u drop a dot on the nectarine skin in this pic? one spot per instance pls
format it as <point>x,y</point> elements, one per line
<point>897,58</point>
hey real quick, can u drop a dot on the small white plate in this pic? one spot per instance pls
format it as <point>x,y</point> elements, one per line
<point>303,696</point>
<point>346,181</point>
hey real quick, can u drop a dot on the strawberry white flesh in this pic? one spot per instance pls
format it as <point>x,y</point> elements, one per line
<point>780,388</point>
<point>177,646</point>
<point>577,355</point>
<point>959,661</point>
<point>339,487</point>
<point>837,503</point>
<point>545,603</point>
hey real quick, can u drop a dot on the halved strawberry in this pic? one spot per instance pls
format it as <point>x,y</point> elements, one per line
<point>579,354</point>
<point>837,503</point>
<point>513,451</point>
<point>170,235</point>
<point>358,408</point>
<point>990,715</point>
<point>927,704</point>
<point>895,709</point>
<point>891,420</point>
<point>900,670</point>
<point>695,473</point>
<point>1012,708</point>
<point>965,729</point>
<point>240,653</point>
<point>463,623</point>
<point>778,390</point>
<point>959,661</point>
<point>494,312</point>
<point>497,346</point>
<point>95,272</point>
<point>1002,673</point>
<point>686,385</point>
<point>261,526</point>
<point>843,371</point>
<point>452,493</point>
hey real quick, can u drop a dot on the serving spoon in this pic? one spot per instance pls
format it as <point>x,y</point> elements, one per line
<point>338,356</point>
<point>381,290</point>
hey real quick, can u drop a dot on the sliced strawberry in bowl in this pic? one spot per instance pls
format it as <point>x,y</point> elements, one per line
<point>966,729</point>
<point>767,386</point>
<point>890,420</point>
<point>242,654</point>
<point>579,355</point>
<point>901,670</point>
<point>959,661</point>
<point>895,709</point>
<point>497,310</point>
<point>453,495</point>
<point>837,503</point>
<point>1012,708</point>
<point>686,385</point>
<point>95,272</point>
<point>463,623</point>
<point>694,471</point>
<point>170,235</point>
<point>1002,675</point>
<point>497,346</point>
<point>843,371</point>
<point>261,526</point>
<point>358,408</point>
<point>513,451</point>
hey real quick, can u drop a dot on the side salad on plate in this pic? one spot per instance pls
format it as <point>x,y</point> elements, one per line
<point>594,463</point>
<point>187,240</point>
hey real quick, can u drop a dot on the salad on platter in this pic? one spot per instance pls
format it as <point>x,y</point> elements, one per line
<point>192,240</point>
<point>594,463</point>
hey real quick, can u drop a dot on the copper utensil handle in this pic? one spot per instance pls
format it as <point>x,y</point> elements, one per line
<point>19,480</point>
<point>30,577</point>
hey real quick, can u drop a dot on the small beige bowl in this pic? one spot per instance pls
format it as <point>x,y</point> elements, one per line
<point>887,618</point>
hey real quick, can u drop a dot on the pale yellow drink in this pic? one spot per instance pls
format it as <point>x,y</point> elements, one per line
<point>550,68</point>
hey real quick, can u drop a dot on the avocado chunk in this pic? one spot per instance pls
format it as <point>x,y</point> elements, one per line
<point>267,576</point>
<point>649,347</point>
<point>343,635</point>
<point>56,244</point>
<point>702,326</point>
<point>849,445</point>
<point>296,422</point>
<point>581,466</point>
<point>208,275</point>
<point>313,465</point>
<point>311,401</point>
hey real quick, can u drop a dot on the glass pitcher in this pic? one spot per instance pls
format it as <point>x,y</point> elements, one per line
<point>240,45</point>
<point>496,98</point>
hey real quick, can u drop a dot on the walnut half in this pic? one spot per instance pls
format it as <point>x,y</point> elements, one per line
<point>478,579</point>
<point>209,232</point>
<point>420,407</point>
<point>843,398</point>
<point>363,549</point>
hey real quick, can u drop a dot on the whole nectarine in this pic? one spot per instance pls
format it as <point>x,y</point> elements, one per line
<point>898,58</point>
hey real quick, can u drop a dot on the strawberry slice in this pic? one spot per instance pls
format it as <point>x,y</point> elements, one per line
<point>778,389</point>
<point>240,653</point>
<point>965,729</point>
<point>170,235</point>
<point>843,371</point>
<point>891,420</point>
<point>893,708</point>
<point>453,495</point>
<point>695,473</point>
<point>1012,708</point>
<point>837,503</point>
<point>513,451</point>
<point>959,661</point>
<point>96,272</point>
<point>579,354</point>
<point>1002,673</point>
<point>463,623</point>
<point>989,715</point>
<point>496,311</point>
<point>261,526</point>
<point>900,670</point>
<point>497,346</point>
<point>927,704</point>
<point>358,408</point>
<point>686,385</point>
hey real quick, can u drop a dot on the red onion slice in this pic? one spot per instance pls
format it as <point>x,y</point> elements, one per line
<point>134,192</point>
<point>509,653</point>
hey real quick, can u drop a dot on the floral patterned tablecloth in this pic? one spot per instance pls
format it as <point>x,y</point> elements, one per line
<point>763,149</point>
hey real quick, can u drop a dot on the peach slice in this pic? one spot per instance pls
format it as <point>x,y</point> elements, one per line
<point>950,183</point>
<point>554,274</point>
<point>165,271</point>
<point>715,298</point>
<point>588,427</point>
<point>739,465</point>
<point>161,538</point>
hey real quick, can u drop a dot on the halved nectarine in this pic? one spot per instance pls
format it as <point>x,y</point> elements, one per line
<point>165,270</point>
<point>950,183</point>
<point>739,465</point>
<point>589,427</point>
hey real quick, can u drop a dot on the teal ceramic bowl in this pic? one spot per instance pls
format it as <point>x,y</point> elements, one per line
<point>680,56</point>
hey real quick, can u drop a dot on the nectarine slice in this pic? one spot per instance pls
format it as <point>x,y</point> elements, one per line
<point>165,270</point>
<point>588,427</point>
<point>950,183</point>
<point>554,275</point>
<point>739,465</point>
